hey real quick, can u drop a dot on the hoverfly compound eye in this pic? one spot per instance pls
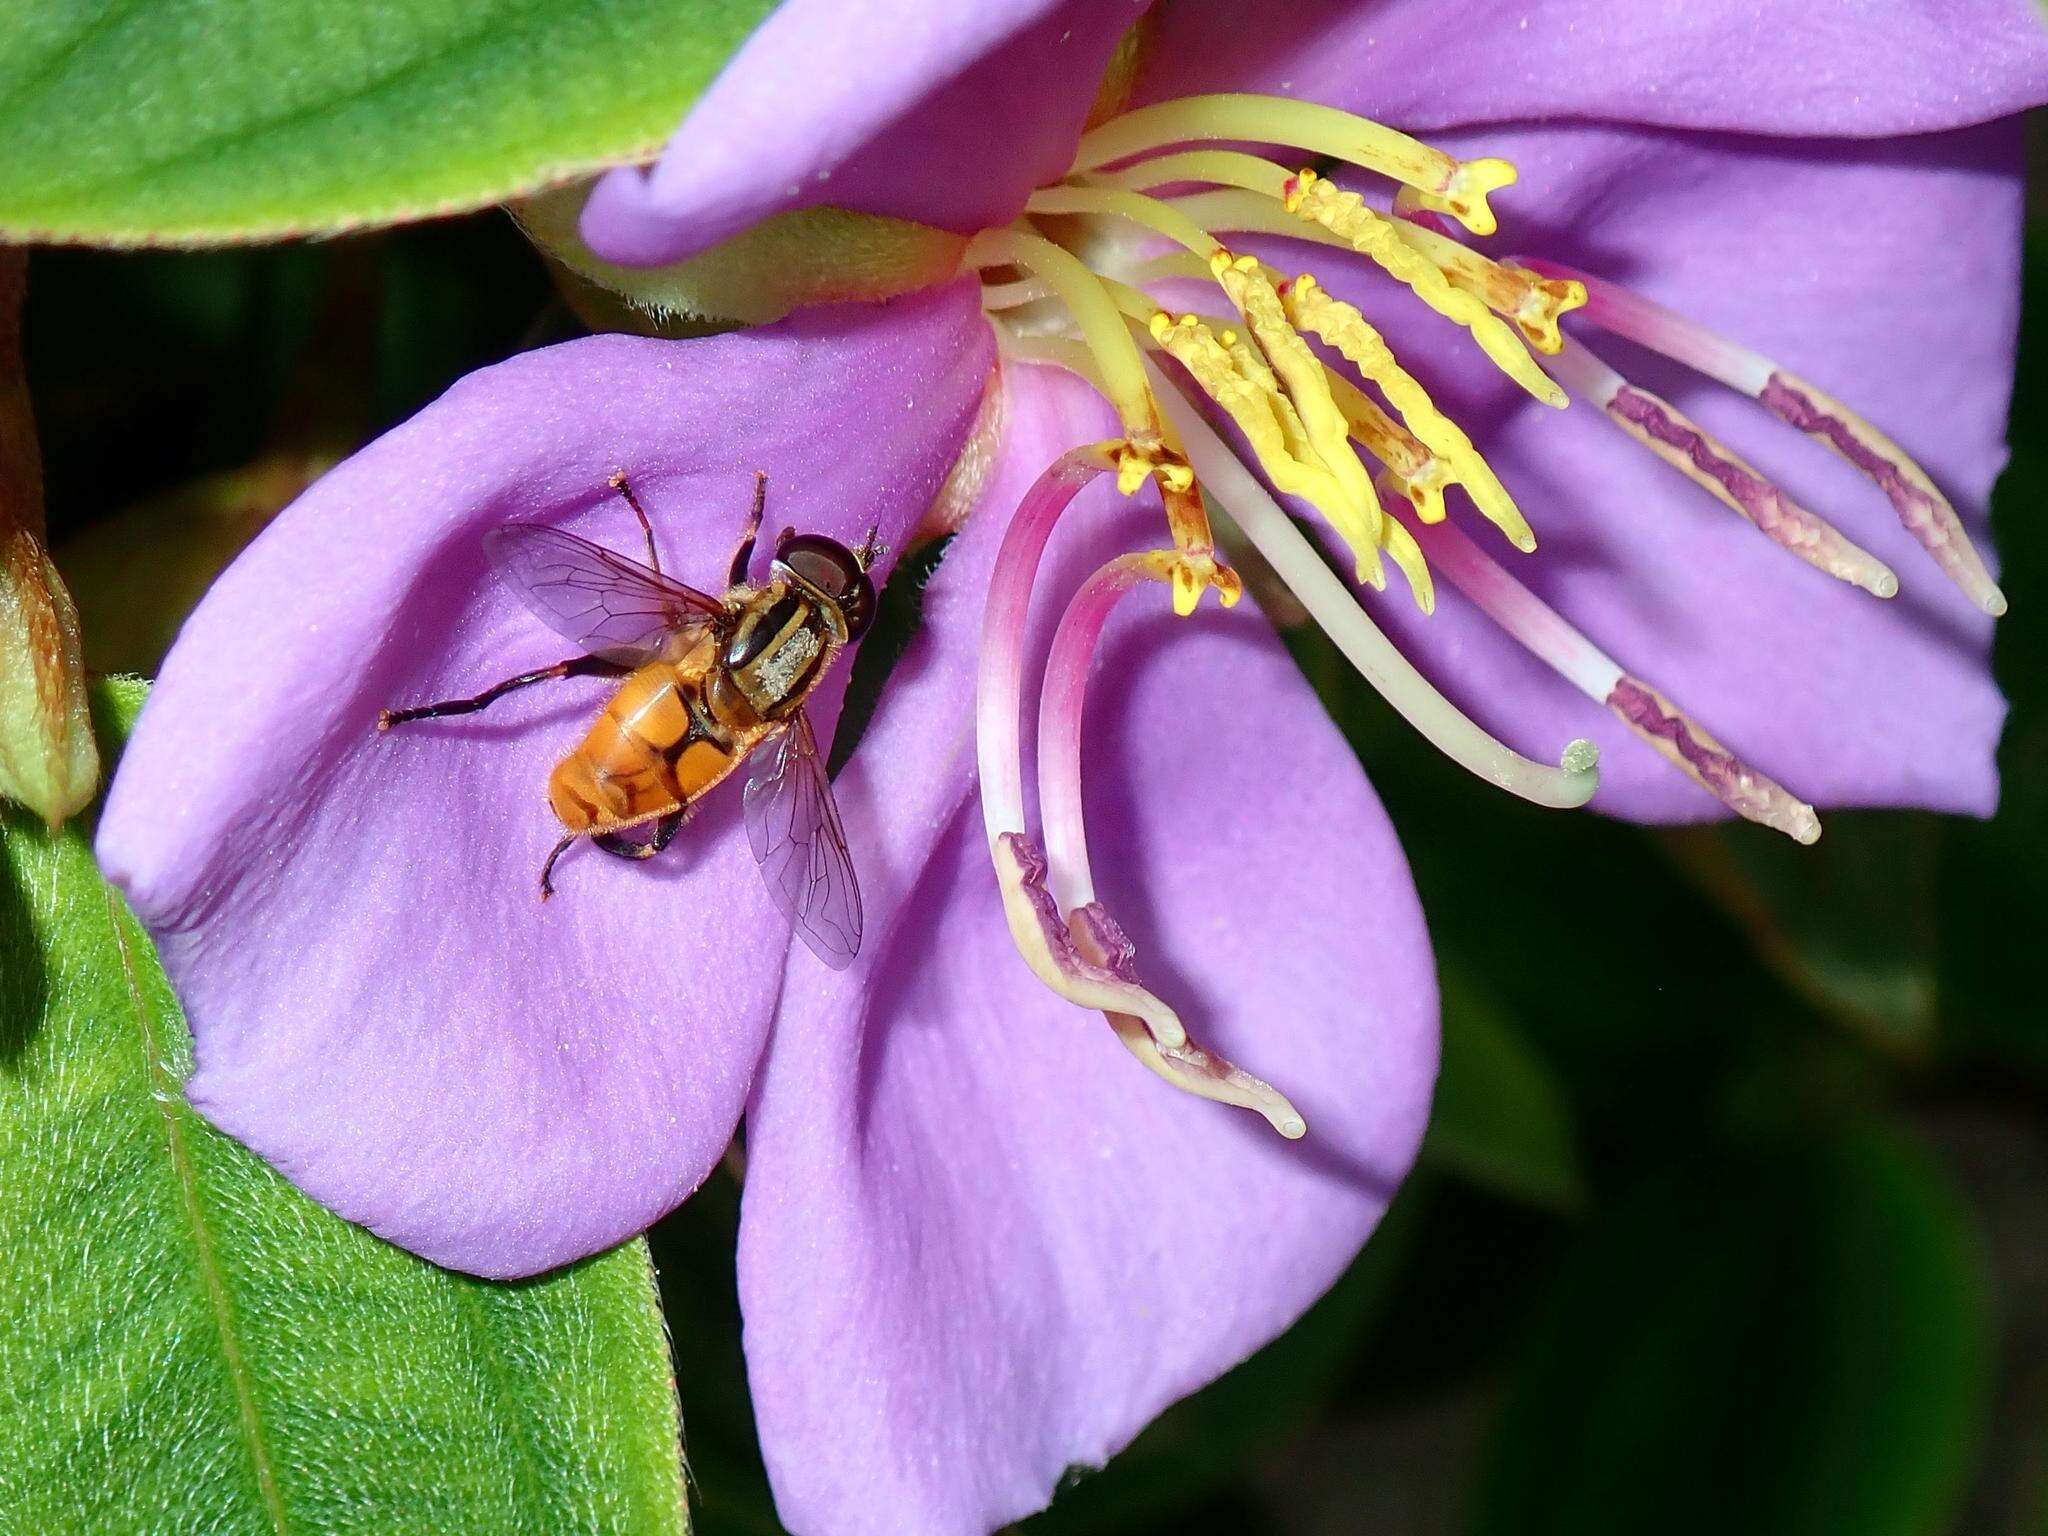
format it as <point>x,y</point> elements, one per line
<point>824,565</point>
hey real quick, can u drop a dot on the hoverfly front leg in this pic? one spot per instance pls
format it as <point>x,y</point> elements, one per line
<point>744,555</point>
<point>575,666</point>
<point>618,483</point>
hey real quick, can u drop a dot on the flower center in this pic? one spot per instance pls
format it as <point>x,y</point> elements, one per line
<point>1315,392</point>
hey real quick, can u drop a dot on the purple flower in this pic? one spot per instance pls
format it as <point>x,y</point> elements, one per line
<point>977,1246</point>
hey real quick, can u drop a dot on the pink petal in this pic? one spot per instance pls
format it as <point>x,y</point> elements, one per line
<point>1891,279</point>
<point>980,1244</point>
<point>945,114</point>
<point>381,1005</point>
<point>1871,68</point>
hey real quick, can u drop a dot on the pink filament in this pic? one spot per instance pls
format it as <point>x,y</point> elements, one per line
<point>1650,324</point>
<point>1059,726</point>
<point>999,685</point>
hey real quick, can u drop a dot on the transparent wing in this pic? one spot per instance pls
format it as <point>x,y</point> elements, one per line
<point>793,824</point>
<point>611,606</point>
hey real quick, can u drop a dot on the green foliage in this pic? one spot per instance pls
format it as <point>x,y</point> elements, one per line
<point>1796,1342</point>
<point>187,1344</point>
<point>204,121</point>
<point>1500,1116</point>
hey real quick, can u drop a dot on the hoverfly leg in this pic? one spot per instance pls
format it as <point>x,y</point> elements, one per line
<point>618,483</point>
<point>625,848</point>
<point>575,666</point>
<point>744,555</point>
<point>547,869</point>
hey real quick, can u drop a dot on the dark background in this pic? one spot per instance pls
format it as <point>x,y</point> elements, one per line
<point>1734,1214</point>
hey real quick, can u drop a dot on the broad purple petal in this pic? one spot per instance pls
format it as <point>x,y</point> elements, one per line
<point>1808,67</point>
<point>381,1005</point>
<point>980,1243</point>
<point>1890,277</point>
<point>945,114</point>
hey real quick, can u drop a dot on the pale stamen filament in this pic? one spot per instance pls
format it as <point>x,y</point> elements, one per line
<point>1448,185</point>
<point>1117,357</point>
<point>1217,167</point>
<point>1041,936</point>
<point>1924,511</point>
<point>1097,937</point>
<point>1682,443</point>
<point>1552,639</point>
<point>1377,660</point>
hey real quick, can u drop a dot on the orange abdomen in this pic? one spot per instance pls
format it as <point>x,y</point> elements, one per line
<point>648,754</point>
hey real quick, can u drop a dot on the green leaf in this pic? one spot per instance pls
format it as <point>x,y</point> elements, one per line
<point>203,121</point>
<point>1850,924</point>
<point>1788,1345</point>
<point>1500,1116</point>
<point>187,1344</point>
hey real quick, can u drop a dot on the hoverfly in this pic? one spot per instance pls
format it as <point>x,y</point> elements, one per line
<point>709,683</point>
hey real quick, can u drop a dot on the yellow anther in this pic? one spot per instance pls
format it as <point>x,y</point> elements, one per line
<point>1144,456</point>
<point>1376,237</point>
<point>1532,303</point>
<point>1402,549</point>
<point>1245,282</point>
<point>1255,403</point>
<point>1343,327</point>
<point>1463,194</point>
<point>1412,472</point>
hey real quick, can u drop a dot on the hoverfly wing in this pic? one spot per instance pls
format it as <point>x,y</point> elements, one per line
<point>613,607</point>
<point>794,827</point>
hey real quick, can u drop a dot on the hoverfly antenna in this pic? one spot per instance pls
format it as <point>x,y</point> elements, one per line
<point>869,550</point>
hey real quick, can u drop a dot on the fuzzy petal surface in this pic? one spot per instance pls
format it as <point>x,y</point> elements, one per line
<point>944,114</point>
<point>381,1005</point>
<point>980,1244</point>
<point>1856,68</point>
<point>1887,275</point>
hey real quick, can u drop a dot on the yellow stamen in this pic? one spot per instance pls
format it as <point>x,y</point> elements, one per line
<point>1375,236</point>
<point>1161,217</point>
<point>1256,300</point>
<point>1533,303</point>
<point>1412,472</point>
<point>1117,358</point>
<point>1459,188</point>
<point>1402,549</point>
<point>1343,327</point>
<point>1222,167</point>
<point>1257,406</point>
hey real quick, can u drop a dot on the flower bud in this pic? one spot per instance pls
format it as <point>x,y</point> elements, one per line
<point>48,761</point>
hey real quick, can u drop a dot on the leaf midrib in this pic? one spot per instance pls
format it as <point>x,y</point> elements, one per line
<point>164,1094</point>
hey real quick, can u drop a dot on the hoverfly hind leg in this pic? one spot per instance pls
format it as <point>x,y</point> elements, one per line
<point>575,666</point>
<point>626,848</point>
<point>547,869</point>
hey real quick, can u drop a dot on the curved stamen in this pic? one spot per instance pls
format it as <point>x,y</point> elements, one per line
<point>1297,563</point>
<point>1102,328</point>
<point>1922,509</point>
<point>1547,635</point>
<point>1679,441</point>
<point>1449,185</point>
<point>1036,927</point>
<point>1096,935</point>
